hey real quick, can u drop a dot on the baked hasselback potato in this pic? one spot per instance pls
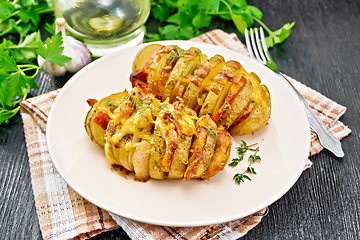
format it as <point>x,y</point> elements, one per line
<point>174,122</point>
<point>97,117</point>
<point>156,139</point>
<point>222,89</point>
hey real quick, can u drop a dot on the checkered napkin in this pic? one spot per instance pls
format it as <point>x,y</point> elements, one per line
<point>64,214</point>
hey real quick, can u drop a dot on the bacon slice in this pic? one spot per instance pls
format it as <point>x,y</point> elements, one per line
<point>220,157</point>
<point>179,93</point>
<point>153,56</point>
<point>165,73</point>
<point>102,119</point>
<point>238,83</point>
<point>123,114</point>
<point>199,143</point>
<point>197,155</point>
<point>196,81</point>
<point>138,76</point>
<point>172,141</point>
<point>146,92</point>
<point>221,77</point>
<point>234,90</point>
<point>132,101</point>
<point>202,71</point>
<point>246,113</point>
<point>226,106</point>
<point>91,101</point>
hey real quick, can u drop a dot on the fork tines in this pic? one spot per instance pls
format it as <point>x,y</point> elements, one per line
<point>257,48</point>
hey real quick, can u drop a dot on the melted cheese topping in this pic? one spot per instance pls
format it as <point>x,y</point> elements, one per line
<point>107,110</point>
<point>141,122</point>
<point>132,125</point>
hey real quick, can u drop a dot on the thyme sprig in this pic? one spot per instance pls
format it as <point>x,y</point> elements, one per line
<point>240,177</point>
<point>241,152</point>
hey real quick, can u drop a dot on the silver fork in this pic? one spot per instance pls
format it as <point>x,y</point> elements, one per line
<point>258,50</point>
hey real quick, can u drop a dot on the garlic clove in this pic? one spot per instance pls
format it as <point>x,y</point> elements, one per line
<point>52,68</point>
<point>80,58</point>
<point>80,55</point>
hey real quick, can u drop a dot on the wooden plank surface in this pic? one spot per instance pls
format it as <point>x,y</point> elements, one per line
<point>322,52</point>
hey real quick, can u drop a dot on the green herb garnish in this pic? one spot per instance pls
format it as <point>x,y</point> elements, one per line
<point>17,78</point>
<point>20,39</point>
<point>241,152</point>
<point>211,131</point>
<point>242,113</point>
<point>114,168</point>
<point>251,170</point>
<point>175,55</point>
<point>187,19</point>
<point>135,101</point>
<point>239,177</point>
<point>111,103</point>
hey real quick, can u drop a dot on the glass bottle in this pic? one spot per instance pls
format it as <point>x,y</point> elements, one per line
<point>105,25</point>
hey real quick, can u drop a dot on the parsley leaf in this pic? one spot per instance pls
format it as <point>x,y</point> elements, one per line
<point>8,63</point>
<point>201,20</point>
<point>6,9</point>
<point>52,49</point>
<point>161,12</point>
<point>239,22</point>
<point>278,36</point>
<point>185,19</point>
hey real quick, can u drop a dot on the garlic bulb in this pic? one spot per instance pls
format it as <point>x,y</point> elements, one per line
<point>80,55</point>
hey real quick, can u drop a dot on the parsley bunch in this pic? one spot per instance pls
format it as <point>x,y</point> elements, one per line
<point>185,19</point>
<point>19,24</point>
<point>15,78</point>
<point>20,44</point>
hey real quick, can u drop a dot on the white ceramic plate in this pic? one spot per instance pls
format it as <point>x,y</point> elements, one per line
<point>284,148</point>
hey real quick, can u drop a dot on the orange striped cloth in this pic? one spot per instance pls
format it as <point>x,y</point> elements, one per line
<point>64,214</point>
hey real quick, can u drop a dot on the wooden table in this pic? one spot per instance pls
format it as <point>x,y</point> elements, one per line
<point>322,52</point>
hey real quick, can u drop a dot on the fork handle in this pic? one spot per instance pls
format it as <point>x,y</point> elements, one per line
<point>327,140</point>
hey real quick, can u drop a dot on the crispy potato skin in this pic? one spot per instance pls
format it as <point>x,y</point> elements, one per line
<point>181,155</point>
<point>143,56</point>
<point>140,160</point>
<point>221,155</point>
<point>95,131</point>
<point>109,148</point>
<point>157,153</point>
<point>190,93</point>
<point>107,104</point>
<point>180,158</point>
<point>262,112</point>
<point>88,128</point>
<point>209,103</point>
<point>258,118</point>
<point>208,150</point>
<point>238,105</point>
<point>124,152</point>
